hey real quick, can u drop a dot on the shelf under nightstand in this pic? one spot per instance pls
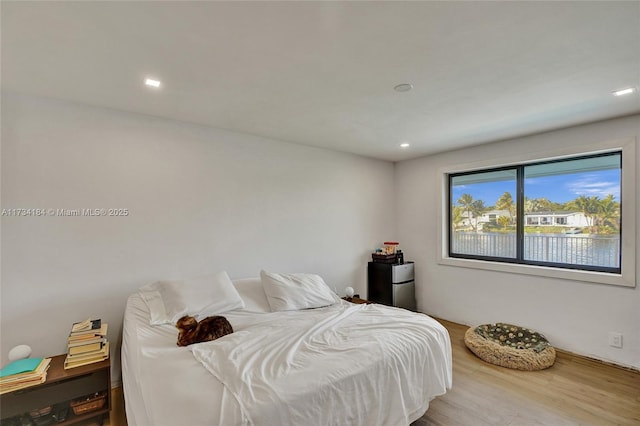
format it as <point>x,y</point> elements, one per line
<point>356,300</point>
<point>62,386</point>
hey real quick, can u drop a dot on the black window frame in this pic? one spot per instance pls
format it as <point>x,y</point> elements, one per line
<point>520,202</point>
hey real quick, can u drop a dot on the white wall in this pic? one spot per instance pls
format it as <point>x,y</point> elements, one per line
<point>200,200</point>
<point>575,316</point>
<point>203,199</point>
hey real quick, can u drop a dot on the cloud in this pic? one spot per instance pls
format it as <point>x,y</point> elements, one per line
<point>592,185</point>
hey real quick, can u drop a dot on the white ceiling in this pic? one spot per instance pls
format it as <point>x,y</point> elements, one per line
<point>322,73</point>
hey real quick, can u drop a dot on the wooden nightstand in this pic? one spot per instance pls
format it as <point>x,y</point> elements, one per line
<point>356,300</point>
<point>61,387</point>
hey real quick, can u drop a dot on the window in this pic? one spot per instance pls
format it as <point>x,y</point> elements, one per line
<point>563,213</point>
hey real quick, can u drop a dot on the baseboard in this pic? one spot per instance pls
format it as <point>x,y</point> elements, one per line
<point>599,361</point>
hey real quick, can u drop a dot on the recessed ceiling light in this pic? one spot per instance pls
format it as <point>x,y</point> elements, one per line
<point>404,145</point>
<point>404,87</point>
<point>151,82</point>
<point>624,91</point>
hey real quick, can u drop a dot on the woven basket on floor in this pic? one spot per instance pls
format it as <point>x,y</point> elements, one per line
<point>510,346</point>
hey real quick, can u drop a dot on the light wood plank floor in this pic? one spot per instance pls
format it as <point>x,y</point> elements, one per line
<point>575,391</point>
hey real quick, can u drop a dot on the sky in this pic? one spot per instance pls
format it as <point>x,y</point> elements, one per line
<point>558,188</point>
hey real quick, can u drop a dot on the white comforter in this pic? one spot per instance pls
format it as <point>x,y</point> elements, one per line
<point>341,365</point>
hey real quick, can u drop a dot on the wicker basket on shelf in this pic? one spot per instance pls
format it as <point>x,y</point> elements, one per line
<point>88,403</point>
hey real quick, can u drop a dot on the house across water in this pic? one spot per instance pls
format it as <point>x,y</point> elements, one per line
<point>569,219</point>
<point>564,219</point>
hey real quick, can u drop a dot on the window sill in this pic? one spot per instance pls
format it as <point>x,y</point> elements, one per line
<point>622,280</point>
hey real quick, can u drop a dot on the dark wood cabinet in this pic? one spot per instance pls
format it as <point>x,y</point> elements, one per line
<point>61,387</point>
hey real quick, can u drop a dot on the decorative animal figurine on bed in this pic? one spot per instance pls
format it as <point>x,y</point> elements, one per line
<point>210,328</point>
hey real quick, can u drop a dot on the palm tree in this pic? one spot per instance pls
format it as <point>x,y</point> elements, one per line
<point>505,202</point>
<point>544,205</point>
<point>531,205</point>
<point>588,206</point>
<point>504,222</point>
<point>609,212</point>
<point>456,216</point>
<point>477,208</point>
<point>466,201</point>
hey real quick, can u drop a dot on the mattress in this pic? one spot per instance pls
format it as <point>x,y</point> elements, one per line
<point>169,385</point>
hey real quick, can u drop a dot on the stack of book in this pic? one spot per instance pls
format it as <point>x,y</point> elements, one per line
<point>87,343</point>
<point>23,373</point>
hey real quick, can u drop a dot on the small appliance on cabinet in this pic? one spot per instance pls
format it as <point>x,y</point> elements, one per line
<point>392,284</point>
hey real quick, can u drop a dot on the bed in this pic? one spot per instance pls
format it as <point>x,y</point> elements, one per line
<point>336,364</point>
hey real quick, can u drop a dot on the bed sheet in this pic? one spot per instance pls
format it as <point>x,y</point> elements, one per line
<point>166,385</point>
<point>163,383</point>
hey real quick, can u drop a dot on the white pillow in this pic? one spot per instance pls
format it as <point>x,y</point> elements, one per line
<point>290,292</point>
<point>252,294</point>
<point>168,301</point>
